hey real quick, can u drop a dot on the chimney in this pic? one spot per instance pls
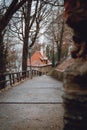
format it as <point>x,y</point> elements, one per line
<point>41,50</point>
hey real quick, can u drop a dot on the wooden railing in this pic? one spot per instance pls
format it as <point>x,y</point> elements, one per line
<point>14,77</point>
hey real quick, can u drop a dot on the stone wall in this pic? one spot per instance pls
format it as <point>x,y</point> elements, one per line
<point>45,69</point>
<point>75,76</point>
<point>75,97</point>
<point>57,74</point>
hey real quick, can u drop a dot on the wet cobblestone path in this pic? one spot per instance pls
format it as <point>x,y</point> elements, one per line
<point>34,105</point>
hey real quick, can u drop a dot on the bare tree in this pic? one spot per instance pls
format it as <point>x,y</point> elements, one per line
<point>9,9</point>
<point>5,17</point>
<point>55,31</point>
<point>27,26</point>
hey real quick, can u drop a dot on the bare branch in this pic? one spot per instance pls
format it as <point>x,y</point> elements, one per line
<point>14,6</point>
<point>52,3</point>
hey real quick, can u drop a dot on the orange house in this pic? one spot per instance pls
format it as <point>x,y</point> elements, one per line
<point>39,61</point>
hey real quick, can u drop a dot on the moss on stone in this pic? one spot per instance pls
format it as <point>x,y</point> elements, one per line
<point>56,74</point>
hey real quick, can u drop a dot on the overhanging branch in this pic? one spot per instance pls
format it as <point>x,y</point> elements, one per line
<point>53,4</point>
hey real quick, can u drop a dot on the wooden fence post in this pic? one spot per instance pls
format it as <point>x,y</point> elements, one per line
<point>10,78</point>
<point>13,78</point>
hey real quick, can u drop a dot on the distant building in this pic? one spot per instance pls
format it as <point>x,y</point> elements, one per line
<point>39,61</point>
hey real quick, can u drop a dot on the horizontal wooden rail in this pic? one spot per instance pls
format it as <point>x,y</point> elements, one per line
<point>14,77</point>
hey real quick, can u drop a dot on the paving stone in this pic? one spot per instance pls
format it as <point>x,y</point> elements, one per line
<point>33,105</point>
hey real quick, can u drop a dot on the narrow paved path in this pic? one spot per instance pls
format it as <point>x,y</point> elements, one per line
<point>34,105</point>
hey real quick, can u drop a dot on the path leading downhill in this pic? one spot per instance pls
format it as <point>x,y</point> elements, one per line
<point>33,105</point>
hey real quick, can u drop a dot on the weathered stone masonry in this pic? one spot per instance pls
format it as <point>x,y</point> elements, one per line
<point>75,76</point>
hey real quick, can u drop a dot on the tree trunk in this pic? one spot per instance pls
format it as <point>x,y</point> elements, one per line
<point>59,46</point>
<point>53,56</point>
<point>25,54</point>
<point>2,63</point>
<point>25,44</point>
